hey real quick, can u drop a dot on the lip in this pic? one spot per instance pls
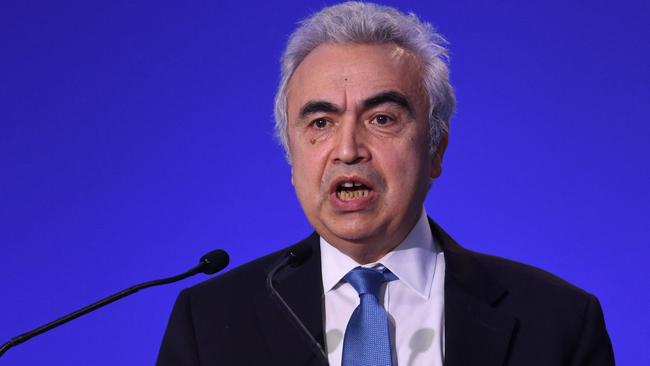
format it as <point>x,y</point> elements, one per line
<point>349,178</point>
<point>353,205</point>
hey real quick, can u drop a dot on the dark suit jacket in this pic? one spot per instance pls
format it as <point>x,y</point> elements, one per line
<point>497,312</point>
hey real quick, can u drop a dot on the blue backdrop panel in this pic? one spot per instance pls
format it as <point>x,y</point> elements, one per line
<point>136,136</point>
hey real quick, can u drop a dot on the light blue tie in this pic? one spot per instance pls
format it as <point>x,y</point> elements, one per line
<point>367,338</point>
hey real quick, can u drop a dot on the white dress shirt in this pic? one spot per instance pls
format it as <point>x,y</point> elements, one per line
<point>414,302</point>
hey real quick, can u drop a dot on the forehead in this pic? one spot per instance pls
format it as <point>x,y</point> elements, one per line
<point>346,73</point>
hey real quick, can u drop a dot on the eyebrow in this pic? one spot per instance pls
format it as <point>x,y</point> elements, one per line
<point>316,106</point>
<point>390,96</point>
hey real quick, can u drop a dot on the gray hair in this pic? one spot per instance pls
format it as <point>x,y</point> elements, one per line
<point>356,22</point>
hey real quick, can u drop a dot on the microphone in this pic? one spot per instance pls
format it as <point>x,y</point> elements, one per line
<point>295,257</point>
<point>211,262</point>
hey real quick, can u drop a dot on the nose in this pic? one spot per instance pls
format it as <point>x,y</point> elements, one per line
<point>350,145</point>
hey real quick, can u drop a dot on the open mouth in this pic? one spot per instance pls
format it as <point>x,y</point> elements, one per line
<point>352,190</point>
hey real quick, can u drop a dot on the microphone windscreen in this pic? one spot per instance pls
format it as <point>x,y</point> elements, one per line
<point>214,261</point>
<point>298,255</point>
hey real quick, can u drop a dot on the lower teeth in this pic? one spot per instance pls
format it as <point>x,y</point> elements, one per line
<point>352,195</point>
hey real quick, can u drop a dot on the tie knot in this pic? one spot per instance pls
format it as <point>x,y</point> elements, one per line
<point>369,280</point>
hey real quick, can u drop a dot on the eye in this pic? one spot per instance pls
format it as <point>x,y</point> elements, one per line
<point>382,119</point>
<point>320,123</point>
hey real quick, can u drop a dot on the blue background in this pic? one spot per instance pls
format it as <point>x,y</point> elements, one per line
<point>135,136</point>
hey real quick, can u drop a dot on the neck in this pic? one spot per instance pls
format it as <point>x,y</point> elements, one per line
<point>364,254</point>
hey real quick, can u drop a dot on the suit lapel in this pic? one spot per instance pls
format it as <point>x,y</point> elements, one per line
<point>476,331</point>
<point>301,288</point>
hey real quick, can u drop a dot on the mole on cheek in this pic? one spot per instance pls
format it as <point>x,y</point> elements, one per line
<point>312,141</point>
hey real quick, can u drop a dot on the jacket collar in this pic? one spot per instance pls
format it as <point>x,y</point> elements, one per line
<point>476,330</point>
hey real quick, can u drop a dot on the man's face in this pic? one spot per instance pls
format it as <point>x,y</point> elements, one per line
<point>358,138</point>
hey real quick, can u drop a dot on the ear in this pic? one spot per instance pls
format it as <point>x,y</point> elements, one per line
<point>436,166</point>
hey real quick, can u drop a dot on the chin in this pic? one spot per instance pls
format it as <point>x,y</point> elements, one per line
<point>352,231</point>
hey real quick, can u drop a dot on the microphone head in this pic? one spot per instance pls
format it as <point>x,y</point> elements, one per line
<point>299,255</point>
<point>214,261</point>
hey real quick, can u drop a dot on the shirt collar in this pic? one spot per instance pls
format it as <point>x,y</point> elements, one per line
<point>413,261</point>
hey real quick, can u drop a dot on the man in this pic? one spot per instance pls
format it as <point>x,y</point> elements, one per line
<point>363,110</point>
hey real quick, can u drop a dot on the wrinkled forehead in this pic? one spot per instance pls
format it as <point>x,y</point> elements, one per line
<point>340,73</point>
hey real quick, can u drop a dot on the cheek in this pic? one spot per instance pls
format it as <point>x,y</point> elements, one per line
<point>407,166</point>
<point>306,177</point>
<point>309,159</point>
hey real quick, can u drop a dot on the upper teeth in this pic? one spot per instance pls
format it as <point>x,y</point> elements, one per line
<point>351,184</point>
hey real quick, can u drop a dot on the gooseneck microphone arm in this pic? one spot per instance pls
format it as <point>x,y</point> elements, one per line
<point>294,257</point>
<point>210,263</point>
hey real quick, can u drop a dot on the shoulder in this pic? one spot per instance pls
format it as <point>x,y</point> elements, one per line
<point>488,275</point>
<point>527,279</point>
<point>548,307</point>
<point>542,302</point>
<point>241,281</point>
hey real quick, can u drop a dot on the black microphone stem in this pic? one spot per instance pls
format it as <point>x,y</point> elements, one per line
<point>201,267</point>
<point>317,348</point>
